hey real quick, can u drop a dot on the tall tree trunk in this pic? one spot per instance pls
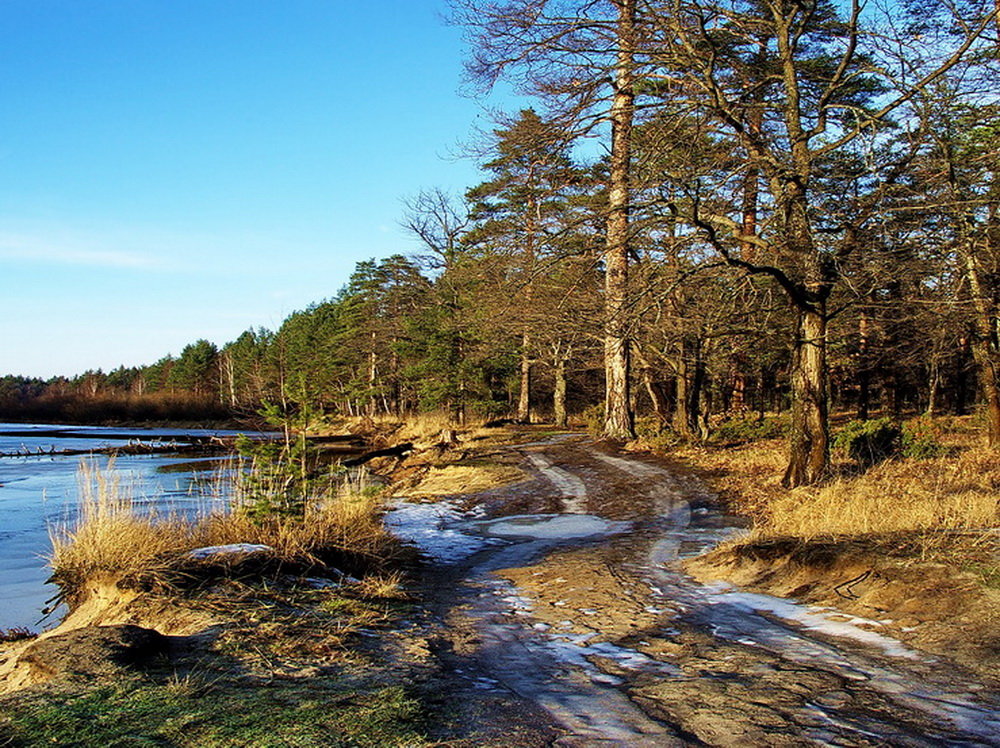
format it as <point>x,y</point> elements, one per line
<point>524,395</point>
<point>762,392</point>
<point>751,195</point>
<point>961,400</point>
<point>696,390</point>
<point>863,369</point>
<point>738,387</point>
<point>933,383</point>
<point>396,389</point>
<point>559,393</point>
<point>891,396</point>
<point>658,396</point>
<point>810,441</point>
<point>686,393</point>
<point>705,402</point>
<point>619,420</point>
<point>984,348</point>
<point>228,370</point>
<point>372,378</point>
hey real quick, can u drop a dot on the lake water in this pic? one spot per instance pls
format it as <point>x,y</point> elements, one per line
<point>40,491</point>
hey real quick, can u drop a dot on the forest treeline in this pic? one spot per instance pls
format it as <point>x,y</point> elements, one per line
<point>713,208</point>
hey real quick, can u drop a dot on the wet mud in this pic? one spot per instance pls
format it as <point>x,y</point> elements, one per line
<point>558,613</point>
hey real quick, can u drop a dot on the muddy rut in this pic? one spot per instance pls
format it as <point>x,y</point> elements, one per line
<point>558,613</point>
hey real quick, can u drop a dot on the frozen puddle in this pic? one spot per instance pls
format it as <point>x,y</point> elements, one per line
<point>445,534</point>
<point>552,526</point>
<point>811,618</point>
<point>435,530</point>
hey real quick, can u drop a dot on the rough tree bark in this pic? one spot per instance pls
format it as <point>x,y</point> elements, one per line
<point>524,393</point>
<point>810,442</point>
<point>682,417</point>
<point>656,390</point>
<point>984,348</point>
<point>863,369</point>
<point>619,420</point>
<point>559,393</point>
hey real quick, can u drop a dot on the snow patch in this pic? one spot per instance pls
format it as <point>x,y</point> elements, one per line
<point>553,526</point>
<point>812,618</point>
<point>435,530</point>
<point>572,488</point>
<point>233,549</point>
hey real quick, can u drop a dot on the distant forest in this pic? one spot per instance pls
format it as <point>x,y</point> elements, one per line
<point>795,209</point>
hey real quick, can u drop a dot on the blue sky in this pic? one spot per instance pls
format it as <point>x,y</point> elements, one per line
<point>178,169</point>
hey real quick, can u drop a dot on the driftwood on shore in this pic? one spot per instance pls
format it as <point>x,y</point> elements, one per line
<point>400,450</point>
<point>136,444</point>
<point>138,448</point>
<point>189,444</point>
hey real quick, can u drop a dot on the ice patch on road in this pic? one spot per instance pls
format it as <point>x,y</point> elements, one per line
<point>572,488</point>
<point>634,467</point>
<point>553,526</point>
<point>561,672</point>
<point>435,530</point>
<point>811,618</point>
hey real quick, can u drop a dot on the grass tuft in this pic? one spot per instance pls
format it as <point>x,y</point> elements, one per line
<point>114,536</point>
<point>383,587</point>
<point>16,634</point>
<point>955,492</point>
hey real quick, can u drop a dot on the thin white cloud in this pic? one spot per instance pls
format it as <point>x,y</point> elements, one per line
<point>155,249</point>
<point>34,249</point>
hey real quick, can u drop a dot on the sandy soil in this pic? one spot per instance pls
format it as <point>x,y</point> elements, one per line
<point>930,606</point>
<point>595,625</point>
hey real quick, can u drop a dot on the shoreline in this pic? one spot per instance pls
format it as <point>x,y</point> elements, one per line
<point>796,571</point>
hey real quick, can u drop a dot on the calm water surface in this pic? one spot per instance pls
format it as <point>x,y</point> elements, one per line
<point>38,492</point>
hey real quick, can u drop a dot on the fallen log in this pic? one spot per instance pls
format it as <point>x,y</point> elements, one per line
<point>400,450</point>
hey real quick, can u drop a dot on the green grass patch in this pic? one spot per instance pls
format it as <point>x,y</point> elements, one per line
<point>133,714</point>
<point>989,574</point>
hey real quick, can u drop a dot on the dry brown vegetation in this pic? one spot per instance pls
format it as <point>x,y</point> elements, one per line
<point>955,492</point>
<point>419,427</point>
<point>112,537</point>
<point>450,480</point>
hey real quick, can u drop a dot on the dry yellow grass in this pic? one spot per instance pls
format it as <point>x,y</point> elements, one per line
<point>420,426</point>
<point>953,493</point>
<point>956,493</point>
<point>110,536</point>
<point>383,587</point>
<point>450,480</point>
<point>417,427</point>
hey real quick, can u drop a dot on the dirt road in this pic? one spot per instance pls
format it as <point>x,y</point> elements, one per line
<point>558,613</point>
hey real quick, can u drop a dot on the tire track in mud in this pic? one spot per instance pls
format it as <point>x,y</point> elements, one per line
<point>792,632</point>
<point>600,628</point>
<point>574,491</point>
<point>551,669</point>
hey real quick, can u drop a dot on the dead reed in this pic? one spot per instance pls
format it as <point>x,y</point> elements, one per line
<point>113,535</point>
